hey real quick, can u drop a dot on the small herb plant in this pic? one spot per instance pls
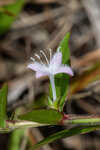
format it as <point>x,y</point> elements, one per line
<point>58,69</point>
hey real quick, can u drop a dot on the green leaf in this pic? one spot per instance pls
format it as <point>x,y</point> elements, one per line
<point>65,134</point>
<point>65,49</point>
<point>6,19</point>
<point>62,80</point>
<point>42,116</point>
<point>3,102</point>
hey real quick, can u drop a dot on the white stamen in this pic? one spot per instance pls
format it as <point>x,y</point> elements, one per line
<point>50,50</point>
<point>44,56</point>
<point>39,58</point>
<point>32,59</point>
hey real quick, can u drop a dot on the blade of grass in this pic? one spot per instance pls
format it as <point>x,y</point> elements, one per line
<point>66,133</point>
<point>3,102</point>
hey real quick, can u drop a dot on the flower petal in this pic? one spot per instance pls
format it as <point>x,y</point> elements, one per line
<point>56,59</point>
<point>36,67</point>
<point>65,69</point>
<point>40,74</point>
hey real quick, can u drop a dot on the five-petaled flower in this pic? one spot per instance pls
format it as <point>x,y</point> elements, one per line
<point>53,67</point>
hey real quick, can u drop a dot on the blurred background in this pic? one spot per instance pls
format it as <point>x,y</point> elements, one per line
<point>28,26</point>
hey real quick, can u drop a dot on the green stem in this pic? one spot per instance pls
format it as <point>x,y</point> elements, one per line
<point>69,119</point>
<point>11,125</point>
<point>82,120</point>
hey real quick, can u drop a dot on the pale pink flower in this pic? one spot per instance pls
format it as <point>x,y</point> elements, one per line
<point>53,67</point>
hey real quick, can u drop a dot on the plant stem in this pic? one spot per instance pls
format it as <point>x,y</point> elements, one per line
<point>82,120</point>
<point>11,125</point>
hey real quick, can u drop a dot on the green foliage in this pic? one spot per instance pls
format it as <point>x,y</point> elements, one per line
<point>65,49</point>
<point>62,80</point>
<point>3,102</point>
<point>15,139</point>
<point>65,134</point>
<point>42,116</point>
<point>8,14</point>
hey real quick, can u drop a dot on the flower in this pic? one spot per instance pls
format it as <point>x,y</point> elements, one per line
<point>53,67</point>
